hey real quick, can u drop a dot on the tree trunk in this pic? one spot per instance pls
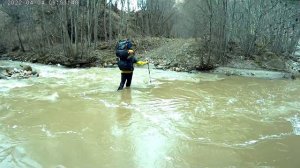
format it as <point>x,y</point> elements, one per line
<point>95,23</point>
<point>20,41</point>
<point>110,22</point>
<point>104,21</point>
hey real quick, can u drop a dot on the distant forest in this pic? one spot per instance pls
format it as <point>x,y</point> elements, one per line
<point>75,27</point>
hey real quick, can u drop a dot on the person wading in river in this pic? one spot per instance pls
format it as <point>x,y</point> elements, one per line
<point>126,59</point>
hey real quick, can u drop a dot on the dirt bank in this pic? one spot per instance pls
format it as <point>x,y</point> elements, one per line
<point>267,74</point>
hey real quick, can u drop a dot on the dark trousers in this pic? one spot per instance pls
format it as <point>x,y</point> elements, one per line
<point>125,77</point>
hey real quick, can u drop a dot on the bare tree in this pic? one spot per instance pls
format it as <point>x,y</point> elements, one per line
<point>254,24</point>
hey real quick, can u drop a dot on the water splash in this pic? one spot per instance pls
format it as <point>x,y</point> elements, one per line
<point>53,97</point>
<point>232,101</point>
<point>295,121</point>
<point>45,130</point>
<point>107,104</point>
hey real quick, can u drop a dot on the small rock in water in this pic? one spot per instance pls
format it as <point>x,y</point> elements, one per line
<point>293,77</point>
<point>27,73</point>
<point>16,70</point>
<point>26,67</point>
<point>177,69</point>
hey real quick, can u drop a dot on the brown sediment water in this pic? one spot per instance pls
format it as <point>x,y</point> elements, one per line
<point>75,118</point>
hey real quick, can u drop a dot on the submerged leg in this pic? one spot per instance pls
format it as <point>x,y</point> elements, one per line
<point>129,78</point>
<point>123,80</point>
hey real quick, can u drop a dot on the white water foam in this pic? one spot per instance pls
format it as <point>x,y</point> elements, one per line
<point>231,101</point>
<point>7,85</point>
<point>109,105</point>
<point>295,121</point>
<point>52,97</point>
<point>261,139</point>
<point>46,131</point>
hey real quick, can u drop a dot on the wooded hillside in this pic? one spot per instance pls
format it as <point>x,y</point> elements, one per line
<point>77,27</point>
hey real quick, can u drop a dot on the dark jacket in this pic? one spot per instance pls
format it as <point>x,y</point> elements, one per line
<point>122,54</point>
<point>125,62</point>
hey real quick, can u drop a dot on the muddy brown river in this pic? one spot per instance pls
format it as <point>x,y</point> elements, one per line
<point>75,118</point>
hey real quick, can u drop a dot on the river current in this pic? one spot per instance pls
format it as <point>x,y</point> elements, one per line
<point>75,118</point>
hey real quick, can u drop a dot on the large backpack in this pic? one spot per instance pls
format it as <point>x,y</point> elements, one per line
<point>124,45</point>
<point>122,48</point>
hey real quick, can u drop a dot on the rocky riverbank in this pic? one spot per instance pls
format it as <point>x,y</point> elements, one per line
<point>181,55</point>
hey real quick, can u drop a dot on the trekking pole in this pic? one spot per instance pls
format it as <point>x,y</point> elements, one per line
<point>149,72</point>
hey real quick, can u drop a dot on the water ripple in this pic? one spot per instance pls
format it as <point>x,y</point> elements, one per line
<point>260,139</point>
